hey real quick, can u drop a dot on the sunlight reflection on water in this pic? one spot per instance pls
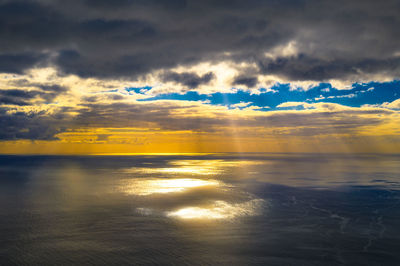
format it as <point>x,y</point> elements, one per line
<point>148,186</point>
<point>235,204</point>
<point>219,210</point>
<point>193,167</point>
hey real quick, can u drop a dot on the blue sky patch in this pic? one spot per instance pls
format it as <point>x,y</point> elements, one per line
<point>358,95</point>
<point>139,90</point>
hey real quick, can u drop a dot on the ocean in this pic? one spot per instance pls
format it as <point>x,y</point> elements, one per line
<point>200,209</point>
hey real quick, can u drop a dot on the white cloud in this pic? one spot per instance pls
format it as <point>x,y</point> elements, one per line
<point>241,104</point>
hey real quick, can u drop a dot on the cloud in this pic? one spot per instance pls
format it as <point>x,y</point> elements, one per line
<point>291,104</point>
<point>43,92</point>
<point>394,105</point>
<point>191,124</point>
<point>240,105</point>
<point>31,125</point>
<point>190,80</point>
<point>206,68</point>
<point>305,67</point>
<point>248,81</point>
<point>17,63</point>
<point>17,97</point>
<point>178,116</point>
<point>293,39</point>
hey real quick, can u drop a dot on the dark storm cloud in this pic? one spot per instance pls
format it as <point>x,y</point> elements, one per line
<point>17,63</point>
<point>170,4</point>
<point>126,38</point>
<point>46,87</point>
<point>51,88</point>
<point>19,93</point>
<point>32,126</point>
<point>21,97</point>
<point>248,81</point>
<point>304,67</point>
<point>28,27</point>
<point>17,97</point>
<point>190,80</point>
<point>12,101</point>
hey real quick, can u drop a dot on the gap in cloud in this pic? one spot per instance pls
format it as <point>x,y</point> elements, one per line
<point>371,93</point>
<point>139,90</point>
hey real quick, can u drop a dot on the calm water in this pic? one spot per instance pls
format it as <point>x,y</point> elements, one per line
<point>277,209</point>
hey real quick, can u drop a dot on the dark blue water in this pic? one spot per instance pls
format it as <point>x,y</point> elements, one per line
<point>252,209</point>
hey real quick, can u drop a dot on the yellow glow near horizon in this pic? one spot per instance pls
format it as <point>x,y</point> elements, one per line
<point>153,153</point>
<point>148,186</point>
<point>378,143</point>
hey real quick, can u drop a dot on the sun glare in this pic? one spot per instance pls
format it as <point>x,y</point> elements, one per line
<point>148,186</point>
<point>219,210</point>
<point>192,167</point>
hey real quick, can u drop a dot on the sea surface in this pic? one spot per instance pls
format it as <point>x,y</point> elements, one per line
<point>209,209</point>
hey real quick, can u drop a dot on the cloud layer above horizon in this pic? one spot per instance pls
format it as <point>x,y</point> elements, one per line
<point>182,75</point>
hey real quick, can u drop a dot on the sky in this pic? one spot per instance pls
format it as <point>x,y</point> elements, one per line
<point>185,76</point>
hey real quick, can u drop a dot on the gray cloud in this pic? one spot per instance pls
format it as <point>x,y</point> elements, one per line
<point>305,67</point>
<point>12,101</point>
<point>190,80</point>
<point>17,97</point>
<point>42,125</point>
<point>21,97</point>
<point>17,63</point>
<point>162,116</point>
<point>248,81</point>
<point>127,38</point>
<point>32,126</point>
